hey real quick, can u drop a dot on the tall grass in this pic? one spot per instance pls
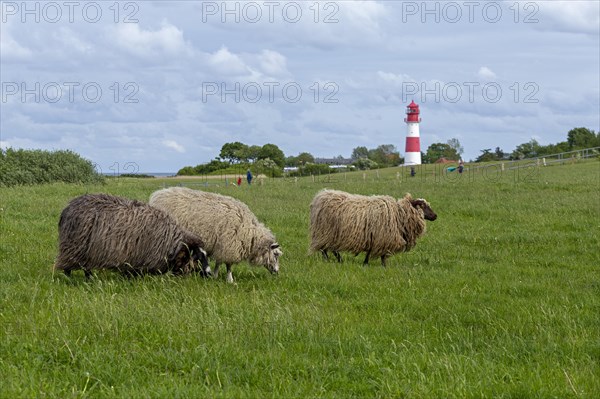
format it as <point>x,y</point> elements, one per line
<point>499,299</point>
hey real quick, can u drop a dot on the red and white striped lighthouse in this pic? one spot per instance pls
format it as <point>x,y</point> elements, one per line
<point>412,154</point>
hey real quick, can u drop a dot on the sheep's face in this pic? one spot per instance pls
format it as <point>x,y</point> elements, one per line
<point>423,205</point>
<point>182,260</point>
<point>271,258</point>
<point>266,254</point>
<point>186,259</point>
<point>200,256</point>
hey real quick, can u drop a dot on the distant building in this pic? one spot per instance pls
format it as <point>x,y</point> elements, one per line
<point>334,161</point>
<point>445,160</point>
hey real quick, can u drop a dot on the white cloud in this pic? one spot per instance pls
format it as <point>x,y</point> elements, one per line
<point>363,15</point>
<point>11,49</point>
<point>486,73</point>
<point>273,63</point>
<point>172,144</point>
<point>396,79</point>
<point>70,39</point>
<point>167,40</point>
<point>225,62</point>
<point>571,16</point>
<point>4,144</point>
<point>248,66</point>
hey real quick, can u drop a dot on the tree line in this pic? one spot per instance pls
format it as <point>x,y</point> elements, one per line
<point>270,159</point>
<point>236,157</point>
<point>577,138</point>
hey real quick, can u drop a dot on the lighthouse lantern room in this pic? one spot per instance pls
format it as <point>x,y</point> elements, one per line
<point>412,154</point>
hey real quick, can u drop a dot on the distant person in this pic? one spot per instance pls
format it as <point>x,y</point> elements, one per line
<point>413,172</point>
<point>461,166</point>
<point>239,181</point>
<point>249,176</point>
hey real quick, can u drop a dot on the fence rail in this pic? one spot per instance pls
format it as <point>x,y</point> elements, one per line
<point>544,160</point>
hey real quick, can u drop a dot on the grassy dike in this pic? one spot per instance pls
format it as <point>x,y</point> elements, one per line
<point>501,298</point>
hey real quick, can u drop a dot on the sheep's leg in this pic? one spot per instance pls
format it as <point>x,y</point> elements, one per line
<point>324,253</point>
<point>66,270</point>
<point>383,260</point>
<point>215,273</point>
<point>366,262</point>
<point>88,274</point>
<point>338,256</point>
<point>229,274</point>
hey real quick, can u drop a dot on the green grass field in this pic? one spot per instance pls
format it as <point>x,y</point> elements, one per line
<point>501,298</point>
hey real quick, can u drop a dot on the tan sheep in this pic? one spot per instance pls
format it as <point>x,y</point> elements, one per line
<point>379,225</point>
<point>229,229</point>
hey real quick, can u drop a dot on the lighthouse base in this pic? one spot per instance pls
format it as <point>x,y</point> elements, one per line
<point>412,158</point>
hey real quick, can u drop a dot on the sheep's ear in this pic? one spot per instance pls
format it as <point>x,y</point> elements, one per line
<point>198,253</point>
<point>276,250</point>
<point>416,203</point>
<point>181,251</point>
<point>407,196</point>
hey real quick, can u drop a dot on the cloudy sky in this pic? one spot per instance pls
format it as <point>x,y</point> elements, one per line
<point>153,86</point>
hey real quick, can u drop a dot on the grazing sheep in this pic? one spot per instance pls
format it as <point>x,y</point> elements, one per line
<point>230,230</point>
<point>101,231</point>
<point>379,225</point>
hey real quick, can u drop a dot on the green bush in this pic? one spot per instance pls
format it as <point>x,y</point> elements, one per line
<point>267,167</point>
<point>186,171</point>
<point>316,169</point>
<point>203,169</point>
<point>365,164</point>
<point>28,167</point>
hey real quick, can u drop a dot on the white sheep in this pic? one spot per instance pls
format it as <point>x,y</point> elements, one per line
<point>229,229</point>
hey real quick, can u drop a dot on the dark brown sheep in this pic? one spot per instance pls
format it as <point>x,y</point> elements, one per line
<point>101,231</point>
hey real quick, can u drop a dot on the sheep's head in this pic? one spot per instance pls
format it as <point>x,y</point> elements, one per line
<point>423,205</point>
<point>187,257</point>
<point>267,254</point>
<point>181,261</point>
<point>199,256</point>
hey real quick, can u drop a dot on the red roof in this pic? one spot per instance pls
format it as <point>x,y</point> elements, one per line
<point>413,105</point>
<point>445,160</point>
<point>412,113</point>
